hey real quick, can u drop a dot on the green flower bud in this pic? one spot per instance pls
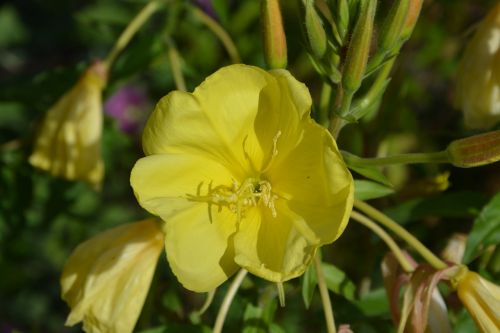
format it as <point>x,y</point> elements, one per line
<point>359,48</point>
<point>394,24</point>
<point>343,18</point>
<point>315,31</point>
<point>476,150</point>
<point>274,38</point>
<point>411,18</point>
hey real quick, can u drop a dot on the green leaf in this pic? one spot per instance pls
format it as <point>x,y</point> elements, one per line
<point>372,173</point>
<point>366,190</point>
<point>308,285</point>
<point>486,229</point>
<point>338,282</point>
<point>275,328</point>
<point>253,321</point>
<point>374,303</point>
<point>464,204</point>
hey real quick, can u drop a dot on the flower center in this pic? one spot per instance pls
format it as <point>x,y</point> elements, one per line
<point>239,196</point>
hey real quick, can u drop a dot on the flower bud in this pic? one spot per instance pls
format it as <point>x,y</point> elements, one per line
<point>68,144</point>
<point>342,18</point>
<point>478,77</point>
<point>475,150</point>
<point>393,25</point>
<point>315,31</point>
<point>411,18</point>
<point>359,48</point>
<point>275,51</point>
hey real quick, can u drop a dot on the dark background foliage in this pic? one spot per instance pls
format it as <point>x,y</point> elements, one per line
<point>45,46</point>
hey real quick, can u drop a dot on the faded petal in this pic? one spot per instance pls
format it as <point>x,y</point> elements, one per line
<point>106,279</point>
<point>482,300</point>
<point>272,247</point>
<point>199,248</point>
<point>68,144</point>
<point>478,79</point>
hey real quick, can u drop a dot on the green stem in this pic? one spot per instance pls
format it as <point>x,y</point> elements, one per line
<point>398,253</point>
<point>345,106</point>
<point>324,104</point>
<point>325,297</point>
<point>228,299</point>
<point>219,31</point>
<point>131,30</point>
<point>378,216</point>
<point>175,64</point>
<point>336,122</point>
<point>435,157</point>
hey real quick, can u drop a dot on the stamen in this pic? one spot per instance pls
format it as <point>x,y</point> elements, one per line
<point>237,197</point>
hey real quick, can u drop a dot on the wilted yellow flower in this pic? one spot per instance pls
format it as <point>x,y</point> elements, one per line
<point>478,80</point>
<point>68,144</point>
<point>106,279</point>
<point>482,300</point>
<point>243,177</point>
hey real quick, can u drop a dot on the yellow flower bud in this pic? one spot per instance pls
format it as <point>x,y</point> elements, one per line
<point>481,298</point>
<point>68,144</point>
<point>106,279</point>
<point>478,77</point>
<point>275,51</point>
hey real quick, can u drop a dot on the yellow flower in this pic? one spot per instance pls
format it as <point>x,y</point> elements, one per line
<point>482,300</point>
<point>478,80</point>
<point>243,177</point>
<point>68,144</point>
<point>106,279</point>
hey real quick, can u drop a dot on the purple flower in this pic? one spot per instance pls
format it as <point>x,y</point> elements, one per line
<point>206,6</point>
<point>129,107</point>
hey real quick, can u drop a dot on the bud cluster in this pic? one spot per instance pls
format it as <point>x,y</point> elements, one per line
<point>343,48</point>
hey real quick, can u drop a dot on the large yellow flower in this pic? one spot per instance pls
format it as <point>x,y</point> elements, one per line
<point>243,177</point>
<point>68,144</point>
<point>478,80</point>
<point>106,279</point>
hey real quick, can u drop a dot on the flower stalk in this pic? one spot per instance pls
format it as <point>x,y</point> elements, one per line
<point>220,33</point>
<point>389,241</point>
<point>325,297</point>
<point>435,157</point>
<point>383,219</point>
<point>131,30</point>
<point>228,299</point>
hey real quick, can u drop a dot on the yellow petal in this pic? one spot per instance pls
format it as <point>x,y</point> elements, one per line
<point>316,183</point>
<point>163,183</point>
<point>199,248</point>
<point>106,279</point>
<point>68,144</point>
<point>272,247</point>
<point>298,91</point>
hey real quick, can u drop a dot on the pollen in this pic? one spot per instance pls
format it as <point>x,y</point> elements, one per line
<point>238,197</point>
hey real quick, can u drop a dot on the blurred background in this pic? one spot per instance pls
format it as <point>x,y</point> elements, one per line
<point>46,45</point>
